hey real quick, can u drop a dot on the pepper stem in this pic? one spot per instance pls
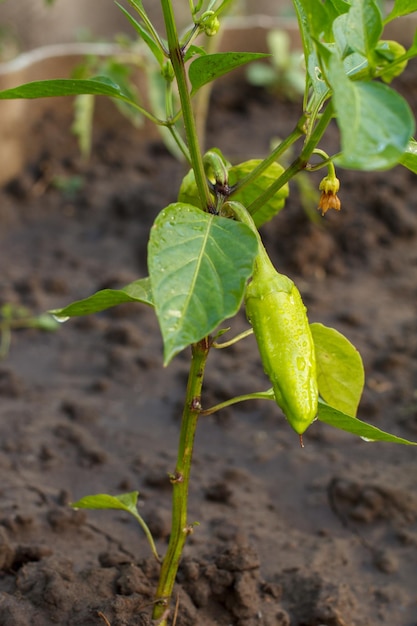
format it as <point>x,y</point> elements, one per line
<point>180,528</point>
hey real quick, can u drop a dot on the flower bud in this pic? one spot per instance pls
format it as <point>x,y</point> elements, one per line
<point>209,23</point>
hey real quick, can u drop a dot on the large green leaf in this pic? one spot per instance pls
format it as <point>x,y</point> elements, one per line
<point>402,7</point>
<point>350,424</point>
<point>409,158</point>
<point>206,68</point>
<point>137,291</point>
<point>198,265</point>
<point>98,86</point>
<point>375,122</point>
<point>340,373</point>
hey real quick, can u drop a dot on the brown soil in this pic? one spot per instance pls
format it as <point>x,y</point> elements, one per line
<point>320,536</point>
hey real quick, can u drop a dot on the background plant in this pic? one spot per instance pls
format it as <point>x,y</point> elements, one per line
<point>205,255</point>
<point>284,74</point>
<point>14,316</point>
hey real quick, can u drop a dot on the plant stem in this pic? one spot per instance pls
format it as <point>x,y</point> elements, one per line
<point>202,98</point>
<point>257,395</point>
<point>180,527</point>
<point>298,164</point>
<point>231,342</point>
<point>177,60</point>
<point>271,158</point>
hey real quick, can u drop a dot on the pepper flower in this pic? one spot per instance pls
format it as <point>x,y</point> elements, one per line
<point>329,199</point>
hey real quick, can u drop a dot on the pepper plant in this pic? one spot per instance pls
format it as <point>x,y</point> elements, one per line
<point>205,254</point>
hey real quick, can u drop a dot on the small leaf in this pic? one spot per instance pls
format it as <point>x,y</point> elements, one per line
<point>206,68</point>
<point>137,291</point>
<point>144,35</point>
<point>340,373</point>
<point>409,158</point>
<point>198,264</point>
<point>124,502</point>
<point>349,424</point>
<point>401,7</point>
<point>193,51</point>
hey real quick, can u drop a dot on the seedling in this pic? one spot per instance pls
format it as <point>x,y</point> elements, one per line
<point>205,255</point>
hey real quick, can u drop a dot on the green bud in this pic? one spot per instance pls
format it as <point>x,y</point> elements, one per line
<point>209,23</point>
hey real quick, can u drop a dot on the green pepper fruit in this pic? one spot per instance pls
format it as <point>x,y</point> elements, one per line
<point>278,316</point>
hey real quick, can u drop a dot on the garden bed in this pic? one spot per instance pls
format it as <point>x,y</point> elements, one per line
<point>287,536</point>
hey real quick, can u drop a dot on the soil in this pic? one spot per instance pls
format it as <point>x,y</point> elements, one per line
<point>320,536</point>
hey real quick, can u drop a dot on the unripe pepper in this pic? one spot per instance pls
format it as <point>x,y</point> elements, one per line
<point>279,320</point>
<point>278,316</point>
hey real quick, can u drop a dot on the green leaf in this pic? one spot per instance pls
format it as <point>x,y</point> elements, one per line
<point>337,7</point>
<point>350,424</point>
<point>206,68</point>
<point>248,194</point>
<point>409,158</point>
<point>340,373</point>
<point>375,122</point>
<point>401,7</point>
<point>363,26</point>
<point>312,17</point>
<point>193,51</point>
<point>99,86</point>
<point>137,291</point>
<point>144,35</point>
<point>124,502</point>
<point>198,264</point>
<point>315,22</point>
